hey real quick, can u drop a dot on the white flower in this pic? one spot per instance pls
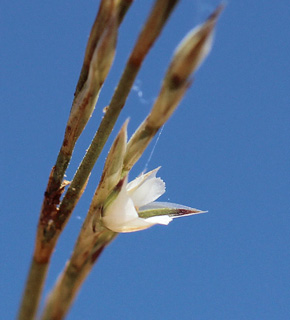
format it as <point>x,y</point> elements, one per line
<point>133,208</point>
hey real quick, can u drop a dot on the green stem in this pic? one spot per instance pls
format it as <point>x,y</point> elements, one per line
<point>71,197</point>
<point>33,289</point>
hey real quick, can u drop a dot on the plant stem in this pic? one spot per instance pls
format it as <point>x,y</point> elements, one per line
<point>76,270</point>
<point>150,32</point>
<point>47,232</point>
<point>54,217</point>
<point>33,289</point>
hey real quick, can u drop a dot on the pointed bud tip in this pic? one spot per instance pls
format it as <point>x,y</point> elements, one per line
<point>187,212</point>
<point>208,26</point>
<point>211,21</point>
<point>124,128</point>
<point>217,12</point>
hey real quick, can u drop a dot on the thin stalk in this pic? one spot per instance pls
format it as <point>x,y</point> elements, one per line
<point>76,270</point>
<point>92,238</point>
<point>40,262</point>
<point>150,32</point>
<point>47,233</point>
<point>190,53</point>
<point>56,217</point>
<point>58,171</point>
<point>98,27</point>
<point>124,6</point>
<point>36,276</point>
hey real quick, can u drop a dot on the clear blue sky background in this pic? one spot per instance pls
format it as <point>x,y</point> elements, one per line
<point>225,150</point>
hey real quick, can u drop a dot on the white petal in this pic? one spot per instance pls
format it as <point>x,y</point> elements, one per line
<point>159,220</point>
<point>133,185</point>
<point>120,211</point>
<point>146,188</point>
<point>137,224</point>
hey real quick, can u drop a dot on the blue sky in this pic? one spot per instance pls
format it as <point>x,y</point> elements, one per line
<point>225,150</point>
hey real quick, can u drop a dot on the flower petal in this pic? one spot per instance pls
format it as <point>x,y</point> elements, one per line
<point>135,184</point>
<point>159,220</point>
<point>146,188</point>
<point>120,211</point>
<point>137,224</point>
